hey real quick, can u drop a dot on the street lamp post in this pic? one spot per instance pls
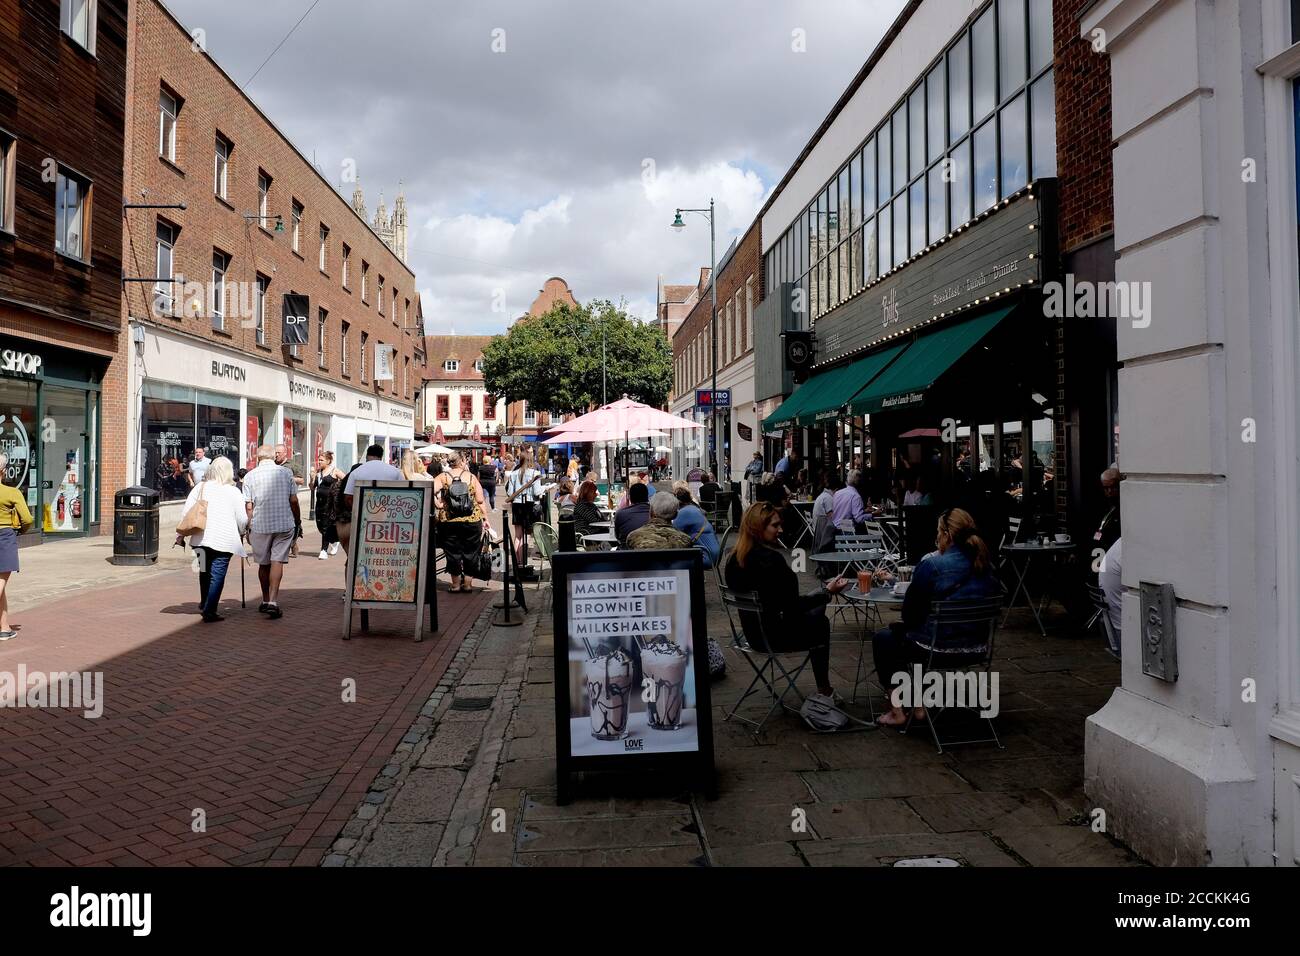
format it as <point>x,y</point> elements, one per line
<point>713,329</point>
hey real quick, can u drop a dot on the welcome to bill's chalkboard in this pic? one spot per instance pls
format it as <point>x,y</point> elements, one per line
<point>386,556</point>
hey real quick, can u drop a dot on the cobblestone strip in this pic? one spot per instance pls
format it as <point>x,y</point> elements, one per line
<point>425,805</point>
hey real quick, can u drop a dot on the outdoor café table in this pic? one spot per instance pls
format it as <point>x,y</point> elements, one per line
<point>1021,556</point>
<point>857,559</point>
<point>600,524</point>
<point>804,510</point>
<point>606,541</point>
<point>873,599</point>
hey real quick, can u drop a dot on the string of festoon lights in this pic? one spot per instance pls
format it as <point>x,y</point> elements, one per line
<point>1026,192</point>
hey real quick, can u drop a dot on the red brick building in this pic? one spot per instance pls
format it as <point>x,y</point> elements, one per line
<point>62,386</point>
<point>206,350</point>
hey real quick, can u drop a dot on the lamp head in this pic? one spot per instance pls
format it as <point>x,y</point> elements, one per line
<point>279,223</point>
<point>677,222</point>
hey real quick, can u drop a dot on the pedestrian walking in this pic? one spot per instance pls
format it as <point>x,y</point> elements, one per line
<point>220,538</point>
<point>462,513</point>
<point>273,524</point>
<point>487,478</point>
<point>15,519</point>
<point>198,467</point>
<point>323,482</point>
<point>342,506</point>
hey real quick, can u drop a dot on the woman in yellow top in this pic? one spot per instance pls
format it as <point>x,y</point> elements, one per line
<point>15,519</point>
<point>462,511</point>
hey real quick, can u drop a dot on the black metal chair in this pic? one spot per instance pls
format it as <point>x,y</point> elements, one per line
<point>975,647</point>
<point>768,668</point>
<point>1101,612</point>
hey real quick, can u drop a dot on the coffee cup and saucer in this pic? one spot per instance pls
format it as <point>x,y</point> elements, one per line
<point>1062,539</point>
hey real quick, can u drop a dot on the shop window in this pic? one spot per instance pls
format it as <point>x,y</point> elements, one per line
<point>72,221</point>
<point>166,439</point>
<point>294,438</point>
<point>899,136</point>
<point>1015,146</point>
<point>935,98</point>
<point>959,89</point>
<point>986,166</point>
<point>900,230</point>
<point>960,186</point>
<point>218,431</point>
<point>1040,36</point>
<point>871,266</point>
<point>885,243</point>
<point>19,436</point>
<point>869,178</point>
<point>916,131</point>
<point>1042,104</point>
<point>489,407</point>
<point>466,407</point>
<point>844,219</point>
<point>984,65</point>
<point>1012,50</point>
<point>444,407</point>
<point>918,217</point>
<point>884,181</point>
<point>937,204</point>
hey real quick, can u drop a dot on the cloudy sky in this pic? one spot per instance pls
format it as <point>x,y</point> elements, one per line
<point>548,137</point>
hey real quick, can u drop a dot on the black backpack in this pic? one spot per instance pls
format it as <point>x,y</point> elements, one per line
<point>459,498</point>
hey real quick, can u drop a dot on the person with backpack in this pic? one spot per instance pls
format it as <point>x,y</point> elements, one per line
<point>462,519</point>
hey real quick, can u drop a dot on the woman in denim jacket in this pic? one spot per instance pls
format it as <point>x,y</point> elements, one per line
<point>959,570</point>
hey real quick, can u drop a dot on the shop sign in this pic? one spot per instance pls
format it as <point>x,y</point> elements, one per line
<point>250,439</point>
<point>228,370</point>
<point>14,442</point>
<point>13,362</point>
<point>219,446</point>
<point>297,313</point>
<point>384,363</point>
<point>388,550</point>
<point>1003,251</point>
<point>310,392</point>
<point>397,413</point>
<point>365,405</point>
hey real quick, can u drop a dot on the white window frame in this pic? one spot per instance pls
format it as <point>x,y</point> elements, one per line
<point>530,415</point>
<point>344,329</point>
<point>221,152</point>
<point>322,327</point>
<point>8,150</point>
<point>62,223</point>
<point>347,263</point>
<point>218,291</point>
<point>164,294</point>
<point>296,213</point>
<point>168,120</point>
<point>738,319</point>
<point>478,365</point>
<point>83,31</point>
<point>263,197</point>
<point>451,365</point>
<point>365,279</point>
<point>263,285</point>
<point>748,337</point>
<point>380,295</point>
<point>365,372</point>
<point>324,246</point>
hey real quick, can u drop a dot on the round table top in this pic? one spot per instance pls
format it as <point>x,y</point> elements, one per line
<point>609,538</point>
<point>1031,546</point>
<point>600,524</point>
<point>801,503</point>
<point>844,557</point>
<point>878,595</point>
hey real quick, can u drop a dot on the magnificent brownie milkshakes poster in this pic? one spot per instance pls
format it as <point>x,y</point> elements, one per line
<point>631,663</point>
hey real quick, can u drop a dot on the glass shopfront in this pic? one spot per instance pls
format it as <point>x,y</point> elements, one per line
<point>259,429</point>
<point>49,431</point>
<point>175,420</point>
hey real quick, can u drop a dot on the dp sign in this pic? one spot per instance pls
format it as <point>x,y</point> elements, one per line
<point>296,311</point>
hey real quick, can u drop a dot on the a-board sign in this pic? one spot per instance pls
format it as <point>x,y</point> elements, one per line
<point>386,556</point>
<point>631,664</point>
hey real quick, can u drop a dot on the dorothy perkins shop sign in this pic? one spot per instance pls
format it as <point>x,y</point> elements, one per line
<point>1001,251</point>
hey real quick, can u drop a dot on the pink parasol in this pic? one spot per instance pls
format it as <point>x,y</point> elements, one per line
<point>623,418</point>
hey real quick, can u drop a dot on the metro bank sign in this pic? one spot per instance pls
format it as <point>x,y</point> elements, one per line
<point>1004,248</point>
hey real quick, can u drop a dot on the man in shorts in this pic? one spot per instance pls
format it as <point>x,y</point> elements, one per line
<point>273,519</point>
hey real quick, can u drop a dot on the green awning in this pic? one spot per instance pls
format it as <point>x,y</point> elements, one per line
<point>784,416</point>
<point>829,392</point>
<point>904,383</point>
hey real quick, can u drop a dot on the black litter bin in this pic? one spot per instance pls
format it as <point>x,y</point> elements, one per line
<point>135,526</point>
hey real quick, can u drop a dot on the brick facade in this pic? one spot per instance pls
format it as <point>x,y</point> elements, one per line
<point>77,124</point>
<point>211,105</point>
<point>742,271</point>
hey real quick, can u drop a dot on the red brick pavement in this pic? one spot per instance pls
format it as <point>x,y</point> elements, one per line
<point>243,719</point>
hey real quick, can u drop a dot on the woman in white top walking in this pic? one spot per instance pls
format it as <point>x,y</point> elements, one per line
<point>220,539</point>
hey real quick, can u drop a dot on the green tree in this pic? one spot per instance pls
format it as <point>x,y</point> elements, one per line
<point>553,361</point>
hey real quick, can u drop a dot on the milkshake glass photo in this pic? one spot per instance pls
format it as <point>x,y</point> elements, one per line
<point>609,682</point>
<point>664,665</point>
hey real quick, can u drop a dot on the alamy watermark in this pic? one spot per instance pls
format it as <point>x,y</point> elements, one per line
<point>973,690</point>
<point>65,690</point>
<point>1081,299</point>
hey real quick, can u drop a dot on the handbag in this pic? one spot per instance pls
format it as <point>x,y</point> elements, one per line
<point>481,567</point>
<point>195,519</point>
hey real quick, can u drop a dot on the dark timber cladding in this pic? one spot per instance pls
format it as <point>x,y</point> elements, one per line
<point>981,263</point>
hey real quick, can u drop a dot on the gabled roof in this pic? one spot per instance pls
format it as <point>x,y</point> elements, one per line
<point>466,348</point>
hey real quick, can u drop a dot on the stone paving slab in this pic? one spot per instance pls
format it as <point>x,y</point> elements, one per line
<point>949,813</point>
<point>970,849</point>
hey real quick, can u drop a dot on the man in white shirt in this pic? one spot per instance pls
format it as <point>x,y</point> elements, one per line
<point>1108,579</point>
<point>198,468</point>
<point>375,469</point>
